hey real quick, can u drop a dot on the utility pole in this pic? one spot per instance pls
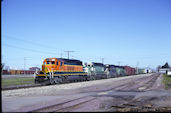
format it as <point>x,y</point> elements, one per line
<point>102,60</point>
<point>24,64</point>
<point>61,55</point>
<point>68,53</point>
<point>137,66</point>
<point>119,63</point>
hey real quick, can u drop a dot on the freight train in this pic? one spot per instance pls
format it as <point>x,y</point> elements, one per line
<point>60,70</point>
<point>17,72</point>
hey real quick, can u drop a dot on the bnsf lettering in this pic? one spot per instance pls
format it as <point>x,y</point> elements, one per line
<point>70,68</point>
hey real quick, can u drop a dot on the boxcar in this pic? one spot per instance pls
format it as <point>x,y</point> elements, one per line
<point>13,72</point>
<point>129,70</point>
<point>133,71</point>
<point>6,72</point>
<point>142,71</point>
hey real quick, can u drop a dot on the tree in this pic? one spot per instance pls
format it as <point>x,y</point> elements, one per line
<point>166,65</point>
<point>2,65</point>
<point>158,68</point>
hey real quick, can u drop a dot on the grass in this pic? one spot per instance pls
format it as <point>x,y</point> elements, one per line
<point>16,81</point>
<point>166,81</point>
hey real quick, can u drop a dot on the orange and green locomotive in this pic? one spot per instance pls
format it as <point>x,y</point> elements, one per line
<point>59,70</point>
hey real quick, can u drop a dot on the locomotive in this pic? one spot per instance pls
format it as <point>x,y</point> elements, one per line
<point>60,70</point>
<point>94,70</point>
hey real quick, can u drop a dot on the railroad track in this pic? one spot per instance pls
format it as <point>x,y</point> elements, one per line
<point>32,85</point>
<point>65,106</point>
<point>126,86</point>
<point>40,85</point>
<point>134,86</point>
<point>76,103</point>
<point>21,86</point>
<point>26,86</point>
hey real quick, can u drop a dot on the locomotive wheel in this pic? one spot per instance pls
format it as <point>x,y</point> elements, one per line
<point>58,80</point>
<point>51,81</point>
<point>92,77</point>
<point>36,82</point>
<point>55,81</point>
<point>86,78</point>
<point>108,76</point>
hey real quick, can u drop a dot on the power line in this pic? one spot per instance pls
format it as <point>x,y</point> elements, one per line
<point>61,55</point>
<point>119,63</point>
<point>102,60</point>
<point>68,53</point>
<point>25,58</point>
<point>30,42</point>
<point>12,46</point>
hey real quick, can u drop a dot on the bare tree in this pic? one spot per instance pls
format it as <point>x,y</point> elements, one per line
<point>166,65</point>
<point>158,68</point>
<point>2,65</point>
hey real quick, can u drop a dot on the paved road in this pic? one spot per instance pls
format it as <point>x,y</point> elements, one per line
<point>132,93</point>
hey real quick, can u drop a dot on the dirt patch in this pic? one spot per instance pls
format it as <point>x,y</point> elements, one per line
<point>145,104</point>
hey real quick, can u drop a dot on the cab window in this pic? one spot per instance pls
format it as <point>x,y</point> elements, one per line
<point>56,63</point>
<point>53,62</point>
<point>48,62</point>
<point>61,63</point>
<point>44,63</point>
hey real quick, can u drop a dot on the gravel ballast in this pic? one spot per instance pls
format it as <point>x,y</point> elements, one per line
<point>48,90</point>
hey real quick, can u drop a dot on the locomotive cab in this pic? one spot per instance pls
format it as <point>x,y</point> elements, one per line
<point>51,65</point>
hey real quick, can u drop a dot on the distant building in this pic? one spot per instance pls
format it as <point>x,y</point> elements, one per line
<point>34,69</point>
<point>7,68</point>
<point>169,73</point>
<point>164,70</point>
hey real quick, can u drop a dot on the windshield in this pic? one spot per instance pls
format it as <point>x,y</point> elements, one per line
<point>50,62</point>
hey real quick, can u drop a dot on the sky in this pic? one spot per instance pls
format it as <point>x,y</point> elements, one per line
<point>122,32</point>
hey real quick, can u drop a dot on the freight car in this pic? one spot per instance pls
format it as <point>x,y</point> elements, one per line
<point>26,72</point>
<point>133,71</point>
<point>129,70</point>
<point>94,70</point>
<point>6,72</point>
<point>15,72</point>
<point>143,71</point>
<point>59,70</point>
